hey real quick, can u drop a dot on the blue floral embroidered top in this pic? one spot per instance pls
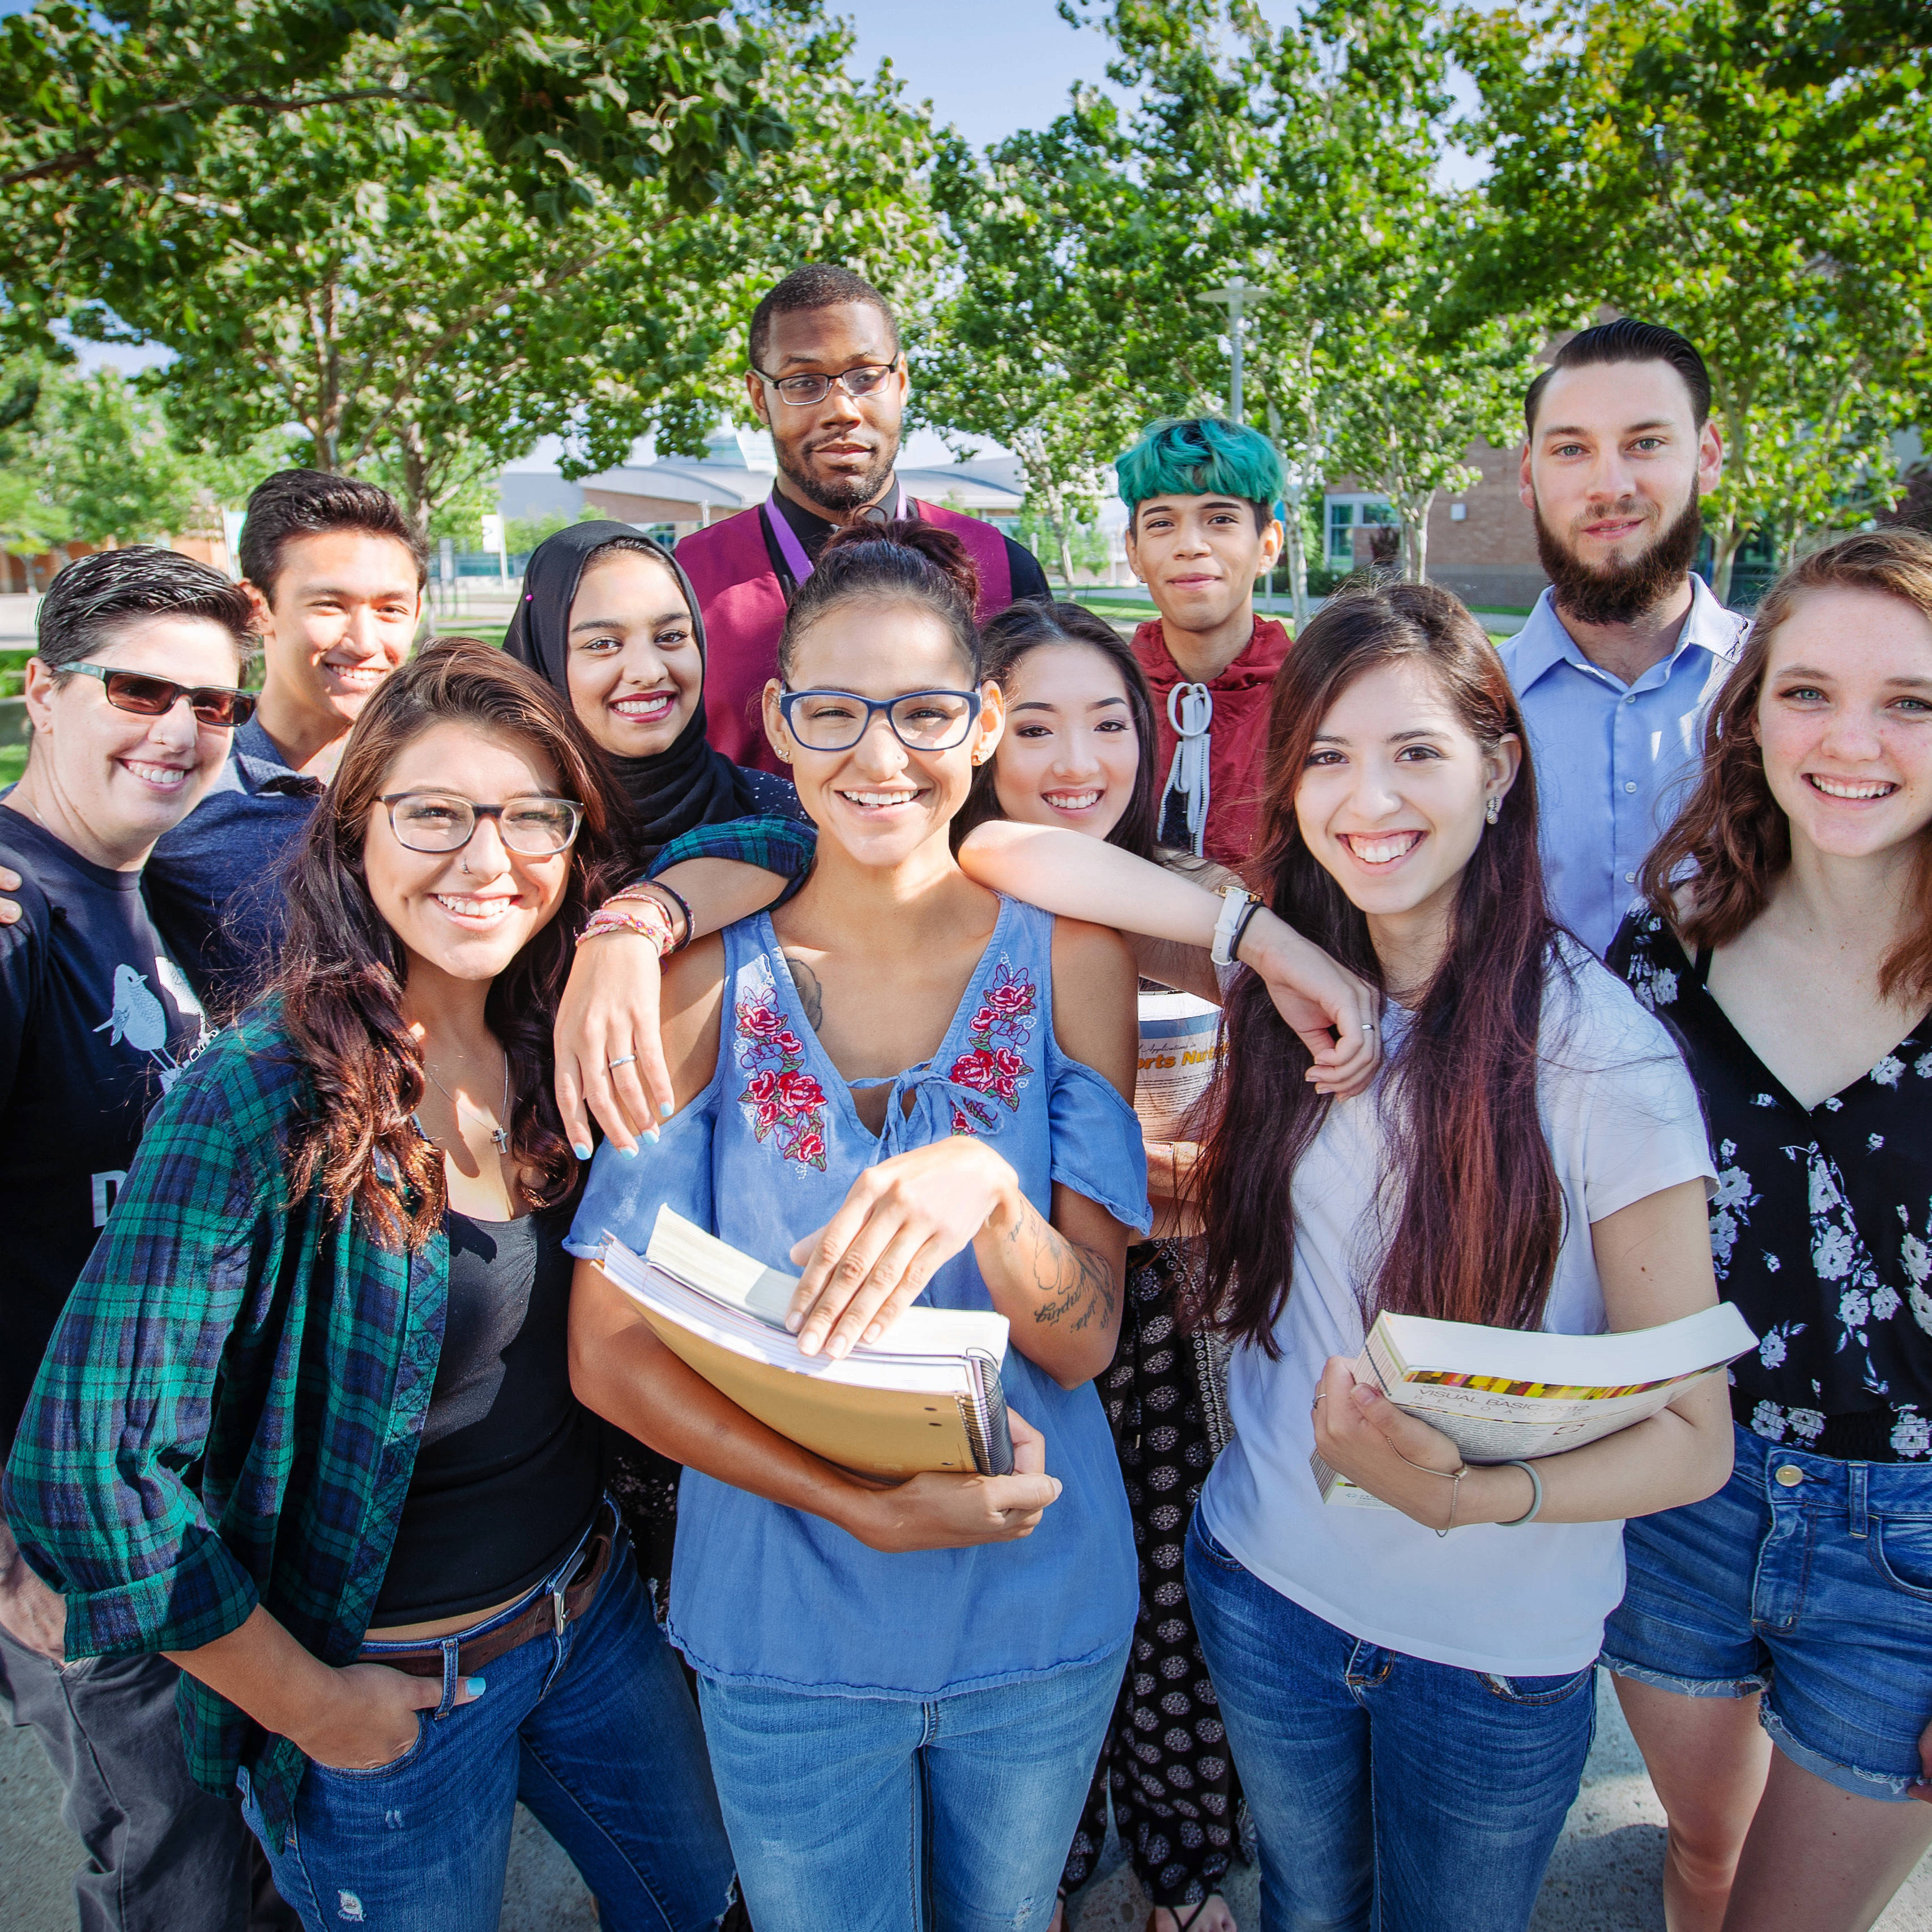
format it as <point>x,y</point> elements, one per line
<point>765,1155</point>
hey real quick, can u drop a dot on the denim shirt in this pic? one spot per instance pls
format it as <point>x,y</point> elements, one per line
<point>767,1595</point>
<point>1613,762</point>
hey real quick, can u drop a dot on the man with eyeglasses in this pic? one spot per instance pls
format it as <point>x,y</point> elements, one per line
<point>828,379</point>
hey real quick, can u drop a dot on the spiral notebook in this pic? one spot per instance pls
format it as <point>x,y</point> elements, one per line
<point>925,1395</point>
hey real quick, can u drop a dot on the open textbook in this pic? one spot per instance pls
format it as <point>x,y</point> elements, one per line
<point>1180,1047</point>
<point>1503,1393</point>
<point>925,1395</point>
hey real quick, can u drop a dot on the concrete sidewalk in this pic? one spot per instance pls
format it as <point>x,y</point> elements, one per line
<point>1603,1879</point>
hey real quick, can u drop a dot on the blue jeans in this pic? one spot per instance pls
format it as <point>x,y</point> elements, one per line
<point>1386,1791</point>
<point>879,1814</point>
<point>1816,1590</point>
<point>592,1727</point>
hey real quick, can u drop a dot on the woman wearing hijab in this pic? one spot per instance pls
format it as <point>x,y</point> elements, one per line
<point>610,619</point>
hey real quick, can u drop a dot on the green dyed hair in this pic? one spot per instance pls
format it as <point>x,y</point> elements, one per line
<point>1202,456</point>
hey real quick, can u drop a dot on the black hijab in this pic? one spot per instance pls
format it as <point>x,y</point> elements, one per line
<point>688,784</point>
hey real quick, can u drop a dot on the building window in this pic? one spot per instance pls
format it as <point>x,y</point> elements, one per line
<point>1343,515</point>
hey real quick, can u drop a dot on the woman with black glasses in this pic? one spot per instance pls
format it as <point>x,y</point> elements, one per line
<point>131,702</point>
<point>336,1281</point>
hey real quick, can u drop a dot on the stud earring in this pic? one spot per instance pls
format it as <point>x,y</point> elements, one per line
<point>1493,810</point>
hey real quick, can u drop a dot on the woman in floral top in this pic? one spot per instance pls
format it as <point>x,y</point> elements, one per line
<point>907,1088</point>
<point>1773,1652</point>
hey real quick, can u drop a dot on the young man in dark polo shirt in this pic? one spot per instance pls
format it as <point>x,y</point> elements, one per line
<point>336,575</point>
<point>828,380</point>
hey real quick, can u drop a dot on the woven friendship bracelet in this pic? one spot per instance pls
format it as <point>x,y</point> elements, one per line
<point>644,917</point>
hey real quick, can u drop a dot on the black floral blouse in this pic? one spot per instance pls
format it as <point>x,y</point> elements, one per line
<point>1821,1228</point>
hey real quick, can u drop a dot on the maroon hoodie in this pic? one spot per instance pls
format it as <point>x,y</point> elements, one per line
<point>1236,740</point>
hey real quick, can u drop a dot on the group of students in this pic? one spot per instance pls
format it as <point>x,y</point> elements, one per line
<point>325,1427</point>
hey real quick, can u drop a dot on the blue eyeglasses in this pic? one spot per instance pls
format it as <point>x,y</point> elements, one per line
<point>922,720</point>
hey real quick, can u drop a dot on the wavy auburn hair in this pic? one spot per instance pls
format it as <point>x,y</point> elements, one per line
<point>341,982</point>
<point>1731,839</point>
<point>1472,1212</point>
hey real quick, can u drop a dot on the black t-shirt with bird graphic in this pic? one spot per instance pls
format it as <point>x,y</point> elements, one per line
<point>96,1022</point>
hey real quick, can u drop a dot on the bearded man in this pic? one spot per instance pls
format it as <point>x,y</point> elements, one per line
<point>828,379</point>
<point>1625,650</point>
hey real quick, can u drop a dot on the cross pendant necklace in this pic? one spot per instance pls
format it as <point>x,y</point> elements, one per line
<point>500,1133</point>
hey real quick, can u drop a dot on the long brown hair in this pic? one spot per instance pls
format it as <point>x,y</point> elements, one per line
<point>1480,1219</point>
<point>341,982</point>
<point>1732,839</point>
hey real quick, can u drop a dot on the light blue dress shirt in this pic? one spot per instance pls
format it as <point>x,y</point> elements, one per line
<point>1613,761</point>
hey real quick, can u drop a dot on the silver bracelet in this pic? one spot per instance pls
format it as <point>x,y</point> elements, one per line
<point>1536,1502</point>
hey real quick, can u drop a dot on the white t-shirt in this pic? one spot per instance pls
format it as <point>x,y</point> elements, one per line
<point>1623,1122</point>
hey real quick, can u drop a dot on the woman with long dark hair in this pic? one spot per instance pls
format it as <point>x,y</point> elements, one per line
<point>1774,1650</point>
<point>1408,1690</point>
<point>334,1282</point>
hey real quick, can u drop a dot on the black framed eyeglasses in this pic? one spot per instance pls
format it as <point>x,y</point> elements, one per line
<point>805,390</point>
<point>155,697</point>
<point>922,720</point>
<point>537,827</point>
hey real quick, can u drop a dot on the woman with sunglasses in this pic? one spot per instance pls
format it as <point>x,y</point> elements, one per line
<point>336,1281</point>
<point>131,703</point>
<point>890,1085</point>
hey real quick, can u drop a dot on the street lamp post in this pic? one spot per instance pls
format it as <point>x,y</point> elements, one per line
<point>1237,294</point>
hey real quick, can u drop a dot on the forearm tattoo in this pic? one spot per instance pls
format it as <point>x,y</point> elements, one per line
<point>1079,1285</point>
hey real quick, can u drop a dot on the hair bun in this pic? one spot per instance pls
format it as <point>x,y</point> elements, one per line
<point>940,549</point>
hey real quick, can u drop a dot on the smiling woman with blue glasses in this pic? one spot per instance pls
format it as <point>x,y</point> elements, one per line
<point>907,1088</point>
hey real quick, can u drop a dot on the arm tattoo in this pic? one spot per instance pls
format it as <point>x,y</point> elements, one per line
<point>811,990</point>
<point>1079,1285</point>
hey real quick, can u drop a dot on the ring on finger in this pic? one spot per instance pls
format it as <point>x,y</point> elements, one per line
<point>623,1060</point>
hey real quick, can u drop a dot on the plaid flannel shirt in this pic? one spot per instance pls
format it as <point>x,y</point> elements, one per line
<point>785,846</point>
<point>291,1354</point>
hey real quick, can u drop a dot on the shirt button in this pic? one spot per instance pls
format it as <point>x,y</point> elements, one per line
<point>1789,1474</point>
<point>1630,878</point>
<point>1629,784</point>
<point>1630,698</point>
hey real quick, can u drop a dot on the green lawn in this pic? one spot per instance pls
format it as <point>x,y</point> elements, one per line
<point>13,762</point>
<point>459,627</point>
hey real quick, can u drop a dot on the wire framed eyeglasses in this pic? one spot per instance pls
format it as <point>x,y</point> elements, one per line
<point>922,720</point>
<point>804,391</point>
<point>147,697</point>
<point>537,827</point>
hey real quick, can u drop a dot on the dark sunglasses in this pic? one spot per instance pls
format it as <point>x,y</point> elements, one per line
<point>154,697</point>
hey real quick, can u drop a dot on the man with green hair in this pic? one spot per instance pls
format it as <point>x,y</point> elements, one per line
<point>1201,495</point>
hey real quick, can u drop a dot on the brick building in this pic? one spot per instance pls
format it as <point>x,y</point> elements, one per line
<point>1482,543</point>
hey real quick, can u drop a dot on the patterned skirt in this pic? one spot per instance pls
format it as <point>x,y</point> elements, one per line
<point>1176,1798</point>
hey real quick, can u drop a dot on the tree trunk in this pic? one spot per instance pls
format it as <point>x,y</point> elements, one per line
<point>1062,532</point>
<point>1726,540</point>
<point>1297,561</point>
<point>1415,537</point>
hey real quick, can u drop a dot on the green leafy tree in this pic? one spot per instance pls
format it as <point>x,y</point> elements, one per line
<point>1767,200</point>
<point>426,275</point>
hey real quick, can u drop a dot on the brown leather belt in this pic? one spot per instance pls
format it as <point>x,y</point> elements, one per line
<point>546,1615</point>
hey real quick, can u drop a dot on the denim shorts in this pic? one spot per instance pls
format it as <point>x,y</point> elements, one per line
<point>1805,1578</point>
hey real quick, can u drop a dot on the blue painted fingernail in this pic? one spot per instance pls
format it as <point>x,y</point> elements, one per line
<point>628,1153</point>
<point>582,1152</point>
<point>650,1134</point>
<point>666,1108</point>
<point>476,1686</point>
